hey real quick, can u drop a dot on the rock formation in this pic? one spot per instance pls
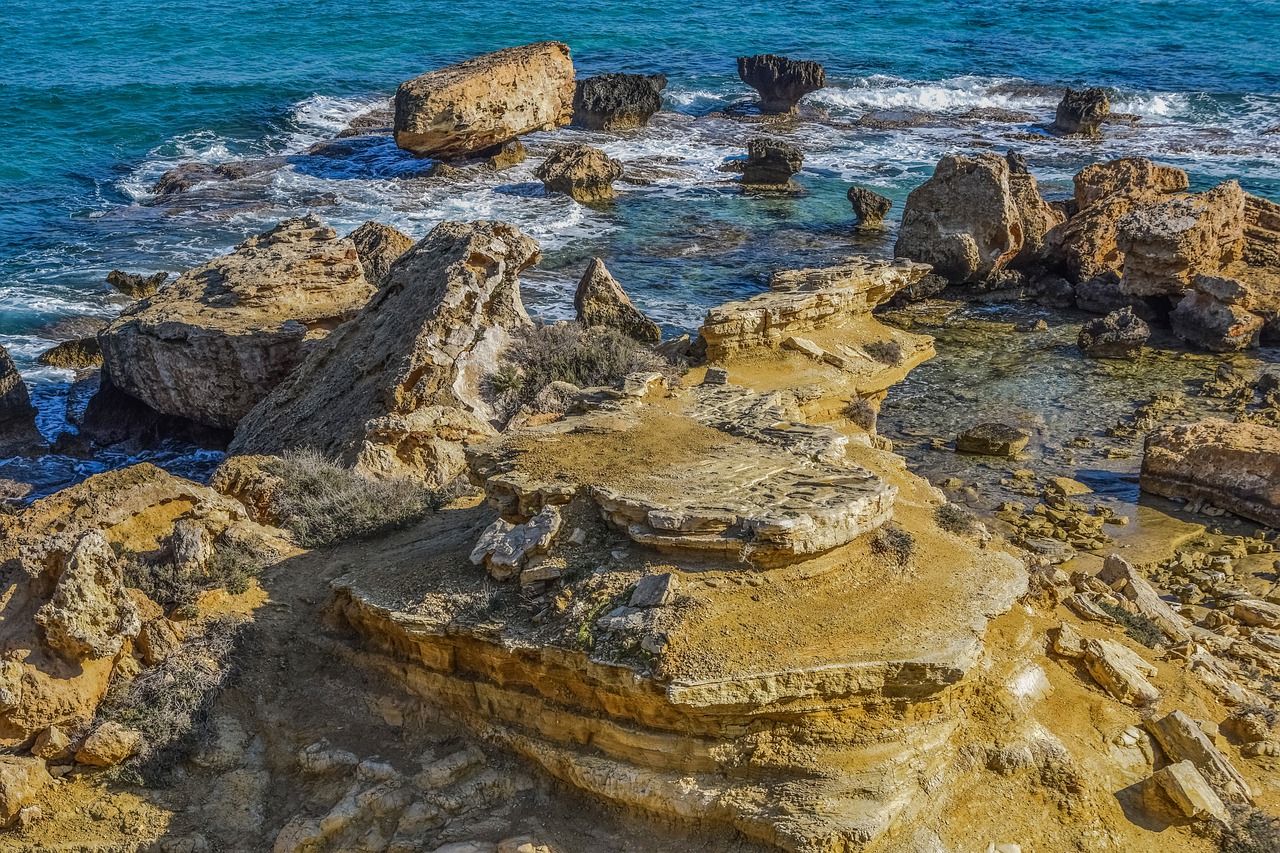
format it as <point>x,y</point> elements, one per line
<point>869,207</point>
<point>136,286</point>
<point>18,431</point>
<point>505,156</point>
<point>601,301</point>
<point>217,340</point>
<point>1167,244</point>
<point>397,389</point>
<point>781,82</point>
<point>770,165</point>
<point>617,101</point>
<point>584,173</point>
<point>1081,113</point>
<point>462,109</point>
<point>73,355</point>
<point>378,247</point>
<point>992,439</point>
<point>1230,312</point>
<point>1120,334</point>
<point>1235,466</point>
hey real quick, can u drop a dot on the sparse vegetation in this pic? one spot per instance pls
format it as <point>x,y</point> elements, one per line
<point>323,502</point>
<point>887,352</point>
<point>1251,831</point>
<point>230,567</point>
<point>861,413</point>
<point>1138,628</point>
<point>894,543</point>
<point>954,518</point>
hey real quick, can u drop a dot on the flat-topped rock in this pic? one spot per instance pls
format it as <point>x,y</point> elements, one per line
<point>617,101</point>
<point>1235,466</point>
<point>781,81</point>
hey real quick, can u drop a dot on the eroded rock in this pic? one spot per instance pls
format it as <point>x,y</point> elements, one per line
<point>378,247</point>
<point>136,286</point>
<point>617,101</point>
<point>771,163</point>
<point>781,82</point>
<point>1235,466</point>
<point>993,439</point>
<point>601,301</point>
<point>869,207</point>
<point>1182,740</point>
<point>89,615</point>
<point>108,745</point>
<point>18,431</point>
<point>584,173</point>
<point>1081,113</point>
<point>1120,334</point>
<point>1167,244</point>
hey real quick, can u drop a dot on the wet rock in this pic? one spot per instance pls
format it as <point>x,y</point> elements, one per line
<point>482,102</point>
<point>136,286</point>
<point>73,355</point>
<point>601,301</point>
<point>378,247</point>
<point>21,780</point>
<point>1120,334</point>
<point>781,82</point>
<point>505,156</point>
<point>109,744</point>
<point>771,163</point>
<point>1182,740</point>
<point>1235,466</point>
<point>1081,113</point>
<point>926,287</point>
<point>869,207</point>
<point>617,101</point>
<point>18,431</point>
<point>187,176</point>
<point>221,337</point>
<point>992,439</point>
<point>433,332</point>
<point>584,173</point>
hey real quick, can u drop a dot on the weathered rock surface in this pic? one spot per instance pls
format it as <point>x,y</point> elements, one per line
<point>18,431</point>
<point>221,337</point>
<point>1120,334</point>
<point>1117,573</point>
<point>601,301</point>
<point>584,173</point>
<point>992,439</point>
<point>482,102</point>
<point>781,82</point>
<point>1190,793</point>
<point>617,101</point>
<point>378,247</point>
<point>136,286</point>
<point>1081,113</point>
<point>1232,311</point>
<point>1182,740</point>
<point>505,156</point>
<point>425,343</point>
<point>1167,244</point>
<point>1121,672</point>
<point>1235,466</point>
<point>771,163</point>
<point>21,779</point>
<point>73,355</point>
<point>89,615</point>
<point>869,207</point>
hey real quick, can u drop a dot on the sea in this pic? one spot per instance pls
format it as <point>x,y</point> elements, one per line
<point>101,97</point>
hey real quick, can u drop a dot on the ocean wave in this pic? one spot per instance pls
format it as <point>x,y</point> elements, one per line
<point>953,95</point>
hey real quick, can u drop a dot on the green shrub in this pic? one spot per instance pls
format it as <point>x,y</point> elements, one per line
<point>954,518</point>
<point>887,352</point>
<point>322,502</point>
<point>895,543</point>
<point>1137,627</point>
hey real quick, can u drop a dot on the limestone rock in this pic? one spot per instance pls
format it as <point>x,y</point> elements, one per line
<point>601,301</point>
<point>74,355</point>
<point>21,779</point>
<point>505,156</point>
<point>89,615</point>
<point>617,101</point>
<point>18,431</point>
<point>654,591</point>
<point>220,338</point>
<point>428,442</point>
<point>1130,176</point>
<point>1190,793</point>
<point>771,163</point>
<point>992,439</point>
<point>1182,740</point>
<point>428,339</point>
<point>1257,614</point>
<point>484,101</point>
<point>505,548</point>
<point>378,247</point>
<point>1081,113</point>
<point>869,207</point>
<point>108,745</point>
<point>1120,672</point>
<point>1120,334</point>
<point>1122,577</point>
<point>1037,216</point>
<point>1167,244</point>
<point>1228,312</point>
<point>52,744</point>
<point>1235,466</point>
<point>136,286</point>
<point>781,82</point>
<point>1261,232</point>
<point>584,173</point>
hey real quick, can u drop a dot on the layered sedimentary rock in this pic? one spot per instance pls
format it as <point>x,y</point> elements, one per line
<point>584,173</point>
<point>462,109</point>
<point>1235,466</point>
<point>601,301</point>
<point>1081,113</point>
<point>398,387</point>
<point>220,338</point>
<point>379,246</point>
<point>781,82</point>
<point>17,416</point>
<point>771,163</point>
<point>617,101</point>
<point>1229,312</point>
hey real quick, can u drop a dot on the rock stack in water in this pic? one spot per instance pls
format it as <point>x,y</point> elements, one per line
<point>781,82</point>
<point>770,165</point>
<point>584,173</point>
<point>617,101</point>
<point>1081,113</point>
<point>18,431</point>
<point>869,207</point>
<point>463,109</point>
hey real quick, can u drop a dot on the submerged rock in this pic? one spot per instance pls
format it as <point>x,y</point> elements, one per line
<point>1120,334</point>
<point>379,246</point>
<point>771,163</point>
<point>992,439</point>
<point>136,286</point>
<point>505,156</point>
<point>1234,466</point>
<point>869,207</point>
<point>1081,113</point>
<point>417,354</point>
<point>617,101</point>
<point>582,172</point>
<point>17,416</point>
<point>462,109</point>
<point>781,82</point>
<point>215,342</point>
<point>601,301</point>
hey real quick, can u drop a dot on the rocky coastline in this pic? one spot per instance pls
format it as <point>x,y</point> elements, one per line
<point>465,576</point>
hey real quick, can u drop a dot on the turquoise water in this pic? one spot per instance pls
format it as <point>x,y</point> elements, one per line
<point>102,96</point>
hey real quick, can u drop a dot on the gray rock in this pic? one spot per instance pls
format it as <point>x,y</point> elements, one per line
<point>1081,113</point>
<point>1120,334</point>
<point>771,163</point>
<point>654,591</point>
<point>617,101</point>
<point>781,82</point>
<point>870,207</point>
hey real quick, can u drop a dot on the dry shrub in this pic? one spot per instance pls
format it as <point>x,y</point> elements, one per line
<point>230,567</point>
<point>887,352</point>
<point>894,543</point>
<point>323,502</point>
<point>861,413</point>
<point>954,518</point>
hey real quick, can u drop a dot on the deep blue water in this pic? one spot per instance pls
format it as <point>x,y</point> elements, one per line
<point>101,96</point>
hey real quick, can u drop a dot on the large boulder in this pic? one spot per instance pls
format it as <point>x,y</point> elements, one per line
<point>601,301</point>
<point>21,780</point>
<point>973,218</point>
<point>771,163</point>
<point>781,82</point>
<point>216,341</point>
<point>426,343</point>
<point>89,615</point>
<point>870,208</point>
<point>617,101</point>
<point>1038,217</point>
<point>18,431</point>
<point>1228,312</point>
<point>1234,466</point>
<point>1120,334</point>
<point>482,102</point>
<point>1081,113</point>
<point>379,246</point>
<point>1167,244</point>
<point>584,173</point>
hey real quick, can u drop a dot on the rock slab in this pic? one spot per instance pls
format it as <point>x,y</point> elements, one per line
<point>1234,466</point>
